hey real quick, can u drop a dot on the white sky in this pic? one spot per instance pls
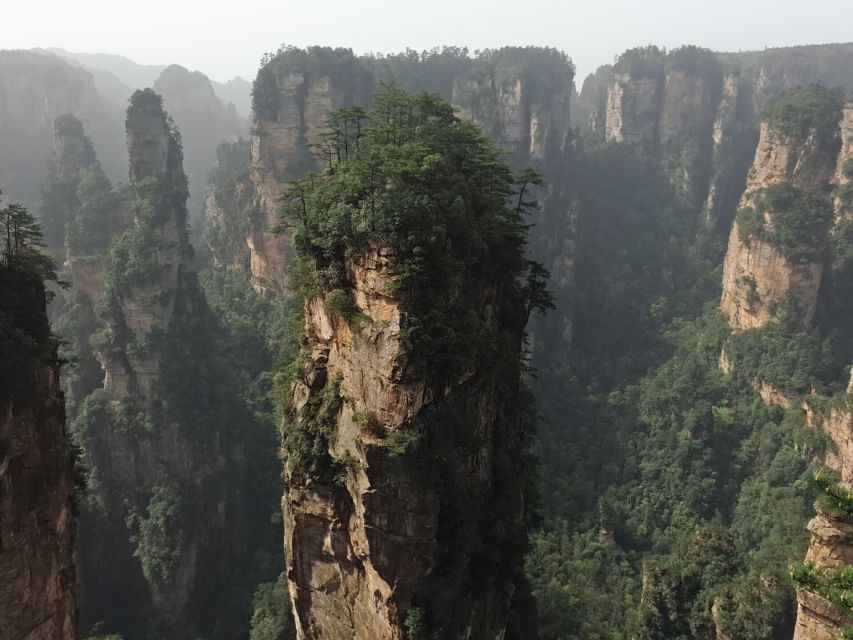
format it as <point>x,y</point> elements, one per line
<point>224,38</point>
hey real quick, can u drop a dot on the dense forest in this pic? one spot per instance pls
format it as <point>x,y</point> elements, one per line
<point>447,350</point>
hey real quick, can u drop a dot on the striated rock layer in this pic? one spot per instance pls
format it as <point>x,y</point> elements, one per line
<point>38,577</point>
<point>414,490</point>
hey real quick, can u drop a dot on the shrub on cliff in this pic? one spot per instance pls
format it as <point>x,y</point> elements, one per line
<point>800,221</point>
<point>433,190</point>
<point>815,109</point>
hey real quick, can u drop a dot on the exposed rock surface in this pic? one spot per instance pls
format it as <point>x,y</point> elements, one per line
<point>367,533</point>
<point>831,546</point>
<point>38,578</point>
<point>522,103</point>
<point>633,110</point>
<point>162,519</point>
<point>712,127</point>
<point>281,152</point>
<point>758,275</point>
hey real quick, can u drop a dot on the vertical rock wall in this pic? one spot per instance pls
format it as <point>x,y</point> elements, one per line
<point>370,532</point>
<point>38,578</point>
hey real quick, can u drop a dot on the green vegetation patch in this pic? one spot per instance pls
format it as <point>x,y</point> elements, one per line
<point>800,221</point>
<point>809,110</point>
<point>433,193</point>
<point>836,585</point>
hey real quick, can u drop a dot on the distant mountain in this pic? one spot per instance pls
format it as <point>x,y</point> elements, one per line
<point>132,74</point>
<point>116,77</point>
<point>204,121</point>
<point>35,88</point>
<point>237,91</point>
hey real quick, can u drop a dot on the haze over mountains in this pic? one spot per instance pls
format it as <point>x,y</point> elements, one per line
<point>434,345</point>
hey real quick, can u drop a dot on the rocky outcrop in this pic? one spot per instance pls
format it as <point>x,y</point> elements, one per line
<point>633,108</point>
<point>831,537</point>
<point>163,519</point>
<point>203,120</point>
<point>674,107</point>
<point>291,100</point>
<point>229,206</point>
<point>760,275</point>
<point>519,96</point>
<point>38,578</point>
<point>830,547</point>
<point>369,520</point>
<point>525,108</point>
<point>844,171</point>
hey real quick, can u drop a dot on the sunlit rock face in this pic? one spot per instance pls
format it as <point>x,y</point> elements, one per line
<point>758,275</point>
<point>368,531</point>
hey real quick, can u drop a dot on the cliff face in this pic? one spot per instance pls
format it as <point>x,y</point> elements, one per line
<point>632,110</point>
<point>37,511</point>
<point>831,537</point>
<point>204,122</point>
<point>524,109</point>
<point>281,152</point>
<point>520,97</point>
<point>759,274</point>
<point>370,530</point>
<point>162,519</point>
<point>677,109</point>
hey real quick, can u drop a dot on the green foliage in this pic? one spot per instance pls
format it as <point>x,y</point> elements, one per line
<point>693,494</point>
<point>642,62</point>
<point>416,625</point>
<point>836,585</point>
<point>24,269</point>
<point>433,189</point>
<point>783,354</point>
<point>272,617</point>
<point>93,223</point>
<point>832,498</point>
<point>398,442</point>
<point>341,302</point>
<point>750,224</point>
<point>799,221</point>
<point>695,61</point>
<point>21,243</point>
<point>162,533</point>
<point>810,110</point>
<point>337,63</point>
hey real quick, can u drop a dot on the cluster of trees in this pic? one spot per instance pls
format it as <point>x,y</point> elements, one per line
<point>411,176</point>
<point>25,268</point>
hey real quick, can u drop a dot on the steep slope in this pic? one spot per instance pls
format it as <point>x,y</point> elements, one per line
<point>204,122</point>
<point>406,435</point>
<point>519,95</point>
<point>699,111</point>
<point>786,259</point>
<point>169,521</point>
<point>37,477</point>
<point>775,254</point>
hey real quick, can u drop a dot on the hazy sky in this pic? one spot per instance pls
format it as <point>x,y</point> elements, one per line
<point>224,38</point>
